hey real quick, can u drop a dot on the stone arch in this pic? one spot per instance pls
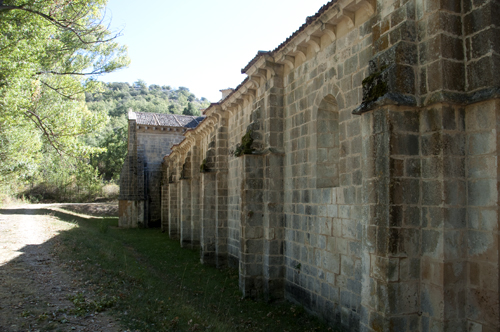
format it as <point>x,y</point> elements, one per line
<point>327,143</point>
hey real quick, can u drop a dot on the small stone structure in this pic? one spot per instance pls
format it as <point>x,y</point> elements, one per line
<point>355,170</point>
<point>150,137</point>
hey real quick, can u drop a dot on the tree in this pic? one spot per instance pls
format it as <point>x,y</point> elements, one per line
<point>140,84</point>
<point>190,110</point>
<point>110,162</point>
<point>171,109</point>
<point>51,53</point>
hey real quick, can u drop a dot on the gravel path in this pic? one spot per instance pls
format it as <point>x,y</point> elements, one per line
<point>35,287</point>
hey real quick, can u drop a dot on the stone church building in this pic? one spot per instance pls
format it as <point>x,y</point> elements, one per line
<point>354,171</point>
<point>150,137</point>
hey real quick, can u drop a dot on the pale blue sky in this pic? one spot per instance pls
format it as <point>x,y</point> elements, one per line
<point>201,44</point>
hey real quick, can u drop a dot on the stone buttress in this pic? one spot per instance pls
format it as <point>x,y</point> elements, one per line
<point>355,170</point>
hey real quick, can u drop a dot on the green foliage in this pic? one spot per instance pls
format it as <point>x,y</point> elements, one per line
<point>50,55</point>
<point>203,166</point>
<point>110,162</point>
<point>64,179</point>
<point>245,147</point>
<point>85,306</point>
<point>190,110</point>
<point>117,98</point>
<point>374,86</point>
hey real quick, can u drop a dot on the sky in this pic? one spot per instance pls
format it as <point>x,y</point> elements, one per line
<point>200,44</point>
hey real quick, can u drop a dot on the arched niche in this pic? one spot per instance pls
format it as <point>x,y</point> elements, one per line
<point>327,143</point>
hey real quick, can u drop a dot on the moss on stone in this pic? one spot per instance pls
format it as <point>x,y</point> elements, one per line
<point>203,166</point>
<point>245,147</point>
<point>374,87</point>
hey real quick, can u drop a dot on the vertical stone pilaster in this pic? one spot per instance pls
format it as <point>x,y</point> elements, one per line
<point>185,201</point>
<point>173,203</point>
<point>273,227</point>
<point>481,29</point>
<point>222,194</point>
<point>481,236</point>
<point>209,207</point>
<point>131,206</point>
<point>375,198</point>
<point>252,230</point>
<point>404,228</point>
<point>195,198</point>
<point>185,212</point>
<point>273,186</point>
<point>164,207</point>
<point>173,212</point>
<point>415,191</point>
<point>221,215</point>
<point>208,218</point>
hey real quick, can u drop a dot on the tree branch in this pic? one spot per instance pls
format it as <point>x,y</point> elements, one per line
<point>70,73</point>
<point>54,21</point>
<point>60,93</point>
<point>39,123</point>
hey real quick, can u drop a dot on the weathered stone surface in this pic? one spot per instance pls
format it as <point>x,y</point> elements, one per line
<point>386,220</point>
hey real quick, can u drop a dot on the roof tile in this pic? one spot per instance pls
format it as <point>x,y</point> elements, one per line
<point>168,120</point>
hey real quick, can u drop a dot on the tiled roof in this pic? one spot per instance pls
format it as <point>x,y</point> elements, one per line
<point>168,120</point>
<point>189,121</point>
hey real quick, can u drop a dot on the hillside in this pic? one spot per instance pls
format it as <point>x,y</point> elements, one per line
<point>116,100</point>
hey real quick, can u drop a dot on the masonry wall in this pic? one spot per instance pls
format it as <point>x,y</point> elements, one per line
<point>131,200</point>
<point>152,146</point>
<point>238,126</point>
<point>234,211</point>
<point>324,225</point>
<point>370,194</point>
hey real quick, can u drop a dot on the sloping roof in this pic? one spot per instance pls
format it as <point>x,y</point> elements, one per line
<point>189,121</point>
<point>168,120</point>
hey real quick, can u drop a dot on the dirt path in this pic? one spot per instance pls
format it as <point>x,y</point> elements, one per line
<point>34,287</point>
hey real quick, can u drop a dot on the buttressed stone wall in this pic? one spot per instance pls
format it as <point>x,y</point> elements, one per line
<point>355,170</point>
<point>150,137</point>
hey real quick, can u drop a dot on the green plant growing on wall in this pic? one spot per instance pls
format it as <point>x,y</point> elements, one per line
<point>184,172</point>
<point>245,147</point>
<point>374,86</point>
<point>203,166</point>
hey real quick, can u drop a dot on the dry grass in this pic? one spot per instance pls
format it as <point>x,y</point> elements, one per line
<point>111,191</point>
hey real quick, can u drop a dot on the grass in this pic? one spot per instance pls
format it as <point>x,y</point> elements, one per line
<point>152,284</point>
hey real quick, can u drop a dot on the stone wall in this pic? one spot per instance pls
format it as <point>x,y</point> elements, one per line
<point>141,177</point>
<point>354,171</point>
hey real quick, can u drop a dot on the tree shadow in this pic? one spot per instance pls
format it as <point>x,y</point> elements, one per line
<point>63,215</point>
<point>35,289</point>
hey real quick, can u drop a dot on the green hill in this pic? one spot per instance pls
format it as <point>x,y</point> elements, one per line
<point>116,100</point>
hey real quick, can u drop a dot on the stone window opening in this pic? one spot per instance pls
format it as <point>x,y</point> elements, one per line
<point>327,143</point>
